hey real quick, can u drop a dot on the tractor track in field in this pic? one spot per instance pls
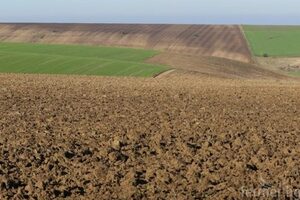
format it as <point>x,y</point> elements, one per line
<point>163,74</point>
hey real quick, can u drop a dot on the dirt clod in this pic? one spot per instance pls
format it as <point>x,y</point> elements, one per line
<point>252,167</point>
<point>69,154</point>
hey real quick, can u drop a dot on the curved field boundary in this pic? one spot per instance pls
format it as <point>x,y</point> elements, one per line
<point>248,44</point>
<point>205,40</point>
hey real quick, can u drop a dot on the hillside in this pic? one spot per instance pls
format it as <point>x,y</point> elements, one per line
<point>215,67</point>
<point>205,40</point>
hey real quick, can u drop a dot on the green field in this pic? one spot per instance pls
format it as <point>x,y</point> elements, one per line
<point>295,74</point>
<point>274,40</point>
<point>75,59</point>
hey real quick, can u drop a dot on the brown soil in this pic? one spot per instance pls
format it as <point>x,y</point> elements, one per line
<point>206,40</point>
<point>215,67</point>
<point>179,137</point>
<point>280,64</point>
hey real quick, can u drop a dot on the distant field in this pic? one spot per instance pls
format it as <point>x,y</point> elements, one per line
<point>274,40</point>
<point>73,59</point>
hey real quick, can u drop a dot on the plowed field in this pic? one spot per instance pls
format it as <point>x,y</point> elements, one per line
<point>132,138</point>
<point>216,67</point>
<point>207,40</point>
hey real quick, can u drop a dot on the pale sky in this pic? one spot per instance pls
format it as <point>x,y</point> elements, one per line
<point>152,11</point>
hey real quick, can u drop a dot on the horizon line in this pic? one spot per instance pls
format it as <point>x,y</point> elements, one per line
<point>142,23</point>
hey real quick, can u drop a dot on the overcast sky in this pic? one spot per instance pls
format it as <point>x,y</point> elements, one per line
<point>152,11</point>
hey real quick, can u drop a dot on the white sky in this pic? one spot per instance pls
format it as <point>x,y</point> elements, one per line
<point>152,11</point>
